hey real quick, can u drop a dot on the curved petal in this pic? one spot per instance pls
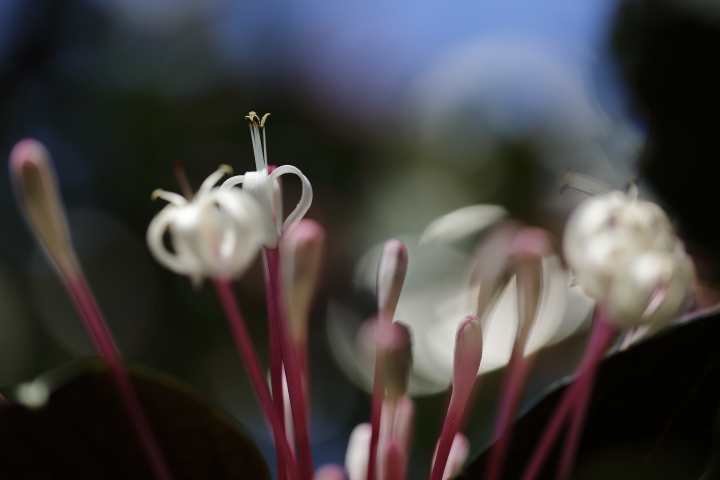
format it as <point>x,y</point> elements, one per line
<point>231,182</point>
<point>305,198</point>
<point>213,179</point>
<point>154,238</point>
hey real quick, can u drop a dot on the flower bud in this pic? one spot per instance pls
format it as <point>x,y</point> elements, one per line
<point>36,187</point>
<point>302,256</point>
<point>391,275</point>
<point>624,254</point>
<point>651,288</point>
<point>468,353</point>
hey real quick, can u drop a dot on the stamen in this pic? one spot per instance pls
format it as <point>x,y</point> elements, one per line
<point>214,177</point>
<point>262,121</point>
<point>252,119</point>
<point>584,183</point>
<point>170,197</point>
<point>182,179</point>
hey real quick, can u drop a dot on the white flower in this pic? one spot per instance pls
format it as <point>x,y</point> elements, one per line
<point>216,234</point>
<point>263,187</point>
<point>624,253</point>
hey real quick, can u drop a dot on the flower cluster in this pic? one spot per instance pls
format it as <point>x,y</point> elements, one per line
<point>622,250</point>
<point>624,253</point>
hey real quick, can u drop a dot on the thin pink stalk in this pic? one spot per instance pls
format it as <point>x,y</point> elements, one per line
<point>290,362</point>
<point>466,361</point>
<point>511,392</point>
<point>582,400</point>
<point>95,323</point>
<point>568,401</point>
<point>276,380</point>
<point>378,394</point>
<point>252,364</point>
<point>450,428</point>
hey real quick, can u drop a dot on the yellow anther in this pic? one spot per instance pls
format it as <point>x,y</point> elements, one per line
<point>264,118</point>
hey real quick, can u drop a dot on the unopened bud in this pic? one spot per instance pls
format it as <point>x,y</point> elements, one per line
<point>651,288</point>
<point>36,186</point>
<point>302,254</point>
<point>530,245</point>
<point>391,275</point>
<point>468,353</point>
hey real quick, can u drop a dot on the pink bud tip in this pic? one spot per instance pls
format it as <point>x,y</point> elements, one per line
<point>531,242</point>
<point>391,274</point>
<point>330,472</point>
<point>27,153</point>
<point>306,233</point>
<point>468,353</point>
<point>37,193</point>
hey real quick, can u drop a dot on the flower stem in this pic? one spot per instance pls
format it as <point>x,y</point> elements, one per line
<point>252,364</point>
<point>450,428</point>
<point>599,338</point>
<point>378,394</point>
<point>291,364</point>
<point>95,323</point>
<point>512,388</point>
<point>582,399</point>
<point>276,372</point>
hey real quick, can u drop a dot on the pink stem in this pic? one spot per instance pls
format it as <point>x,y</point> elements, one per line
<point>378,394</point>
<point>582,400</point>
<point>567,403</point>
<point>276,380</point>
<point>95,323</point>
<point>290,362</point>
<point>513,381</point>
<point>450,428</point>
<point>252,364</point>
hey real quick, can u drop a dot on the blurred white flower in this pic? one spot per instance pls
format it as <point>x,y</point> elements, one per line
<point>624,253</point>
<point>216,234</point>
<point>441,288</point>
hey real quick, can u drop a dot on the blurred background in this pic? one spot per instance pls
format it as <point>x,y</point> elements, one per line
<point>398,112</point>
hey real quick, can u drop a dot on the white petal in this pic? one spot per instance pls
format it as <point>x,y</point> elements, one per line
<point>305,198</point>
<point>356,457</point>
<point>461,223</point>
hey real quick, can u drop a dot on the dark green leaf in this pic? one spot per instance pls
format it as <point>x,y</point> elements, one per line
<point>84,432</point>
<point>651,415</point>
